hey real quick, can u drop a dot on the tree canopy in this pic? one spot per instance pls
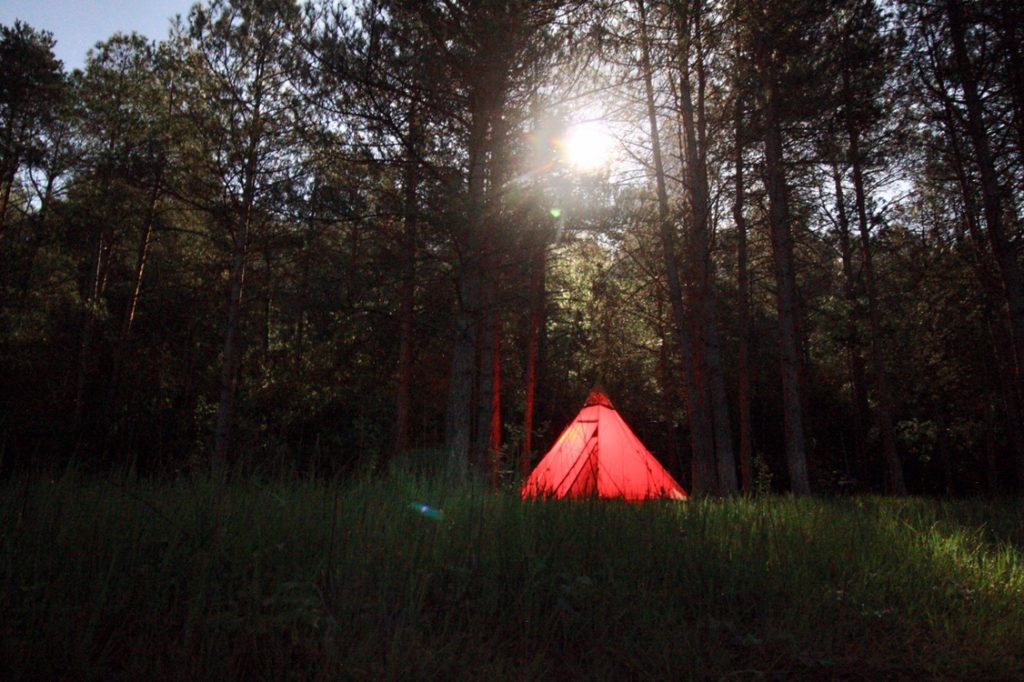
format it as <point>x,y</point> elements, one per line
<point>318,236</point>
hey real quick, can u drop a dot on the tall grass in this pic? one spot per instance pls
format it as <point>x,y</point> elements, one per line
<point>346,580</point>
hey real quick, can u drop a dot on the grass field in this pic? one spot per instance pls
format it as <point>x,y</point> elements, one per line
<point>312,580</point>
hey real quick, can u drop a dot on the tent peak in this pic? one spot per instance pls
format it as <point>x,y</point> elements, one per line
<point>598,397</point>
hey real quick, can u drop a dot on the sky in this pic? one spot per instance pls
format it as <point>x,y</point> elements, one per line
<point>77,25</point>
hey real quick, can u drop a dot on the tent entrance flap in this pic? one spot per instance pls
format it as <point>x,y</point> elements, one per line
<point>581,479</point>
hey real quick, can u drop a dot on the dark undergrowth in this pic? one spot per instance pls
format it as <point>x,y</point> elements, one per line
<point>351,580</point>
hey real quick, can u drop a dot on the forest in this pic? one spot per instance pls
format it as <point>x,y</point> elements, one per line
<point>293,301</point>
<point>327,237</point>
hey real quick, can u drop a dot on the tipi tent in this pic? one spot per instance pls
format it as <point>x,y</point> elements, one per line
<point>598,455</point>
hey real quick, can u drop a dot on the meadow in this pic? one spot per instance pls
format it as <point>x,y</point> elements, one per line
<point>106,579</point>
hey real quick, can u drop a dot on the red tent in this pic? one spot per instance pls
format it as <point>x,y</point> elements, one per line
<point>598,455</point>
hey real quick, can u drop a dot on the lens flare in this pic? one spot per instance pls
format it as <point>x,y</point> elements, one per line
<point>587,147</point>
<point>431,513</point>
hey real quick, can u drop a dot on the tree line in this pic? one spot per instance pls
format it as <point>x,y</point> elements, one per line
<point>325,235</point>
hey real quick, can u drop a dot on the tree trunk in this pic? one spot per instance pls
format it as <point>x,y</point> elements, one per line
<point>128,318</point>
<point>1012,16</point>
<point>268,307</point>
<point>707,342</point>
<point>743,276</point>
<point>992,208</point>
<point>720,406</point>
<point>704,475</point>
<point>538,267</point>
<point>229,368</point>
<point>84,356</point>
<point>785,277</point>
<point>851,337</point>
<point>489,420</point>
<point>9,172</point>
<point>407,293</point>
<point>141,259</point>
<point>894,483</point>
<point>300,324</point>
<point>405,357</point>
<point>991,470</point>
<point>1002,375</point>
<point>996,316</point>
<point>893,466</point>
<point>5,200</point>
<point>945,457</point>
<point>668,386</point>
<point>494,430</point>
<point>97,286</point>
<point>486,358</point>
<point>460,414</point>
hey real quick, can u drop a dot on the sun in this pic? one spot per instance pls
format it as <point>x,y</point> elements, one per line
<point>587,147</point>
